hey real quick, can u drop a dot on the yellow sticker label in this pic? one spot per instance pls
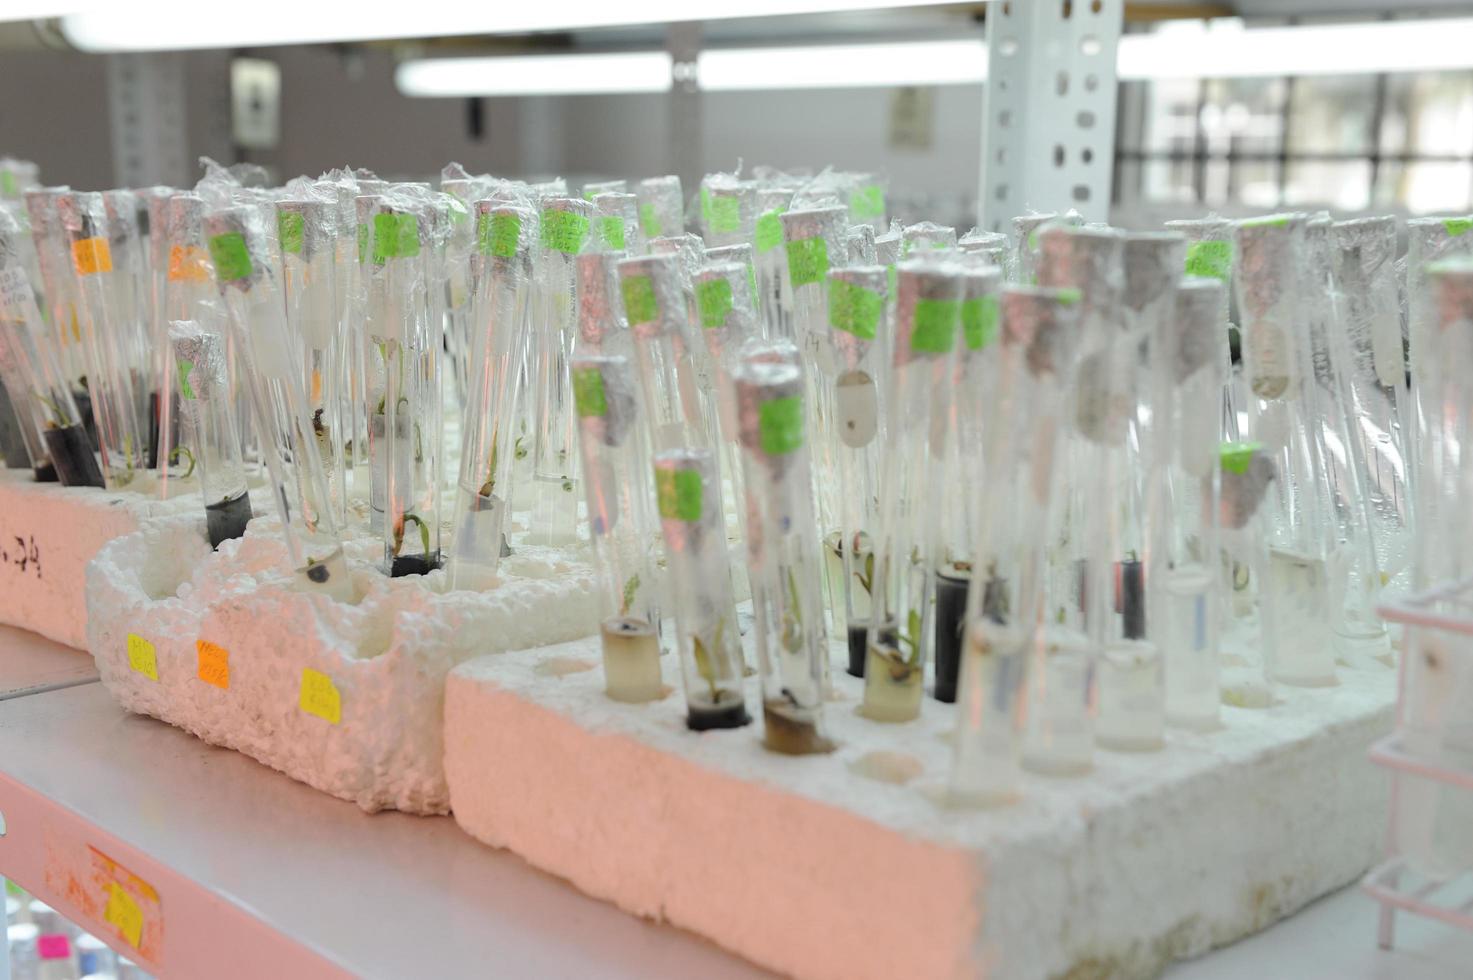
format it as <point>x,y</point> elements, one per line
<point>123,913</point>
<point>214,664</point>
<point>92,255</point>
<point>188,263</point>
<point>320,696</point>
<point>142,657</point>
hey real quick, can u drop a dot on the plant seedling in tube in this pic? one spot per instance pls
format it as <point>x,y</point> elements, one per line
<point>257,318</point>
<point>207,411</point>
<point>497,313</point>
<point>782,546</point>
<point>927,319</point>
<point>621,520</point>
<point>106,313</point>
<point>688,495</point>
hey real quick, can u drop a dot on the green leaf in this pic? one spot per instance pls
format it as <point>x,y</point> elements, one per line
<point>630,587</point>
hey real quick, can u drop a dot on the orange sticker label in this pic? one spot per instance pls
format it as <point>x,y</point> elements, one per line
<point>91,255</point>
<point>188,263</point>
<point>214,664</point>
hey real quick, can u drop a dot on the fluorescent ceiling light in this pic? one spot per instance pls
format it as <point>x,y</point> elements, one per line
<point>171,25</point>
<point>844,65</point>
<point>14,10</point>
<point>1225,49</point>
<point>545,74</point>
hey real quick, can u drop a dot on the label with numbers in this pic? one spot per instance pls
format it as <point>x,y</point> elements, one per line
<point>319,696</point>
<point>142,657</point>
<point>214,664</point>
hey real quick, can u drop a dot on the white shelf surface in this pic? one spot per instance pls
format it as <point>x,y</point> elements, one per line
<point>30,664</point>
<point>261,876</point>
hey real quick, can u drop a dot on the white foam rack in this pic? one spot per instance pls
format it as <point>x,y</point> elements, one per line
<point>258,875</point>
<point>810,868</point>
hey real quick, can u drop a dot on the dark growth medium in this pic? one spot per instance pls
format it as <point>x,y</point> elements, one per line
<point>858,647</point>
<point>45,472</point>
<point>414,565</point>
<point>84,408</point>
<point>951,614</point>
<point>71,454</point>
<point>699,718</point>
<point>228,518</point>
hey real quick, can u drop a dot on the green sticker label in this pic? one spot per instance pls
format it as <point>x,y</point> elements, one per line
<point>1457,226</point>
<point>867,203</point>
<point>724,215</point>
<point>713,298</point>
<point>854,309</point>
<point>1269,221</point>
<point>588,393</point>
<point>1068,296</point>
<point>679,494</point>
<point>611,232</point>
<point>1237,456</point>
<point>892,278</point>
<point>395,236</point>
<point>498,234</point>
<point>979,321</point>
<point>769,230</point>
<point>232,260</point>
<point>7,183</point>
<point>1214,259</point>
<point>935,325</point>
<point>780,424</point>
<point>640,305</point>
<point>289,231</point>
<point>362,244</point>
<point>808,261</point>
<point>458,211</point>
<point>649,221</point>
<point>185,389</point>
<point>563,231</point>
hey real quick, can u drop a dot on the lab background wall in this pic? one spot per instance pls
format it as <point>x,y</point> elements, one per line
<point>340,106</point>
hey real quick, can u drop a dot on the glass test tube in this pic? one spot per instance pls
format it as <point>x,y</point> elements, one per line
<point>728,209</point>
<point>926,236</point>
<point>1246,473</point>
<point>50,424</point>
<point>1354,578</point>
<point>654,305</point>
<point>257,318</point>
<point>616,224</point>
<point>918,400</point>
<point>208,411</point>
<point>107,313</point>
<point>1089,542</point>
<point>457,194</point>
<point>410,343</point>
<point>1210,254</point>
<point>306,233</point>
<point>688,492</point>
<point>59,297</point>
<point>565,225</point>
<point>975,376</point>
<point>594,188</point>
<point>782,546</point>
<point>867,203</point>
<point>129,284</point>
<point>1428,240</point>
<point>497,315</point>
<point>770,260</point>
<point>616,479</point>
<point>186,293</point>
<point>1276,356</point>
<point>691,253</point>
<point>858,318</point>
<point>661,206</point>
<point>1369,314</point>
<point>1132,694</point>
<point>1006,639</point>
<point>1024,264</point>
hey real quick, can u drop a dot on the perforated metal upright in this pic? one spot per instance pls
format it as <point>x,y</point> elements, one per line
<point>1049,134</point>
<point>145,94</point>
